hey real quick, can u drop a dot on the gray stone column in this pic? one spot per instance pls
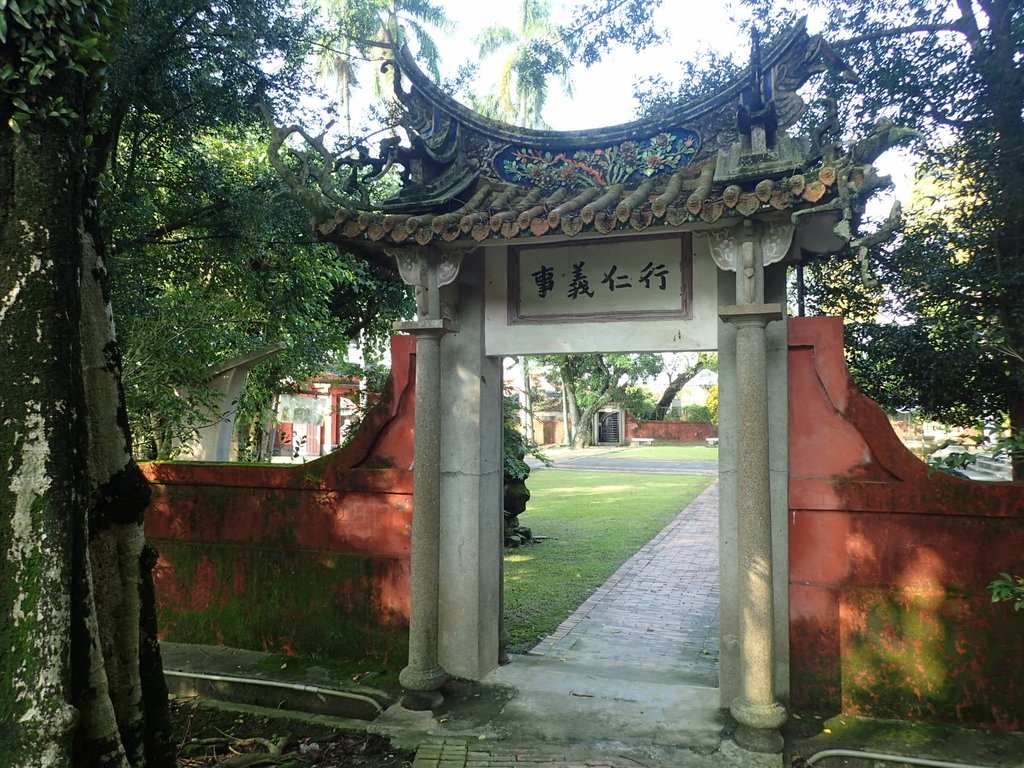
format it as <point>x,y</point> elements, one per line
<point>423,672</point>
<point>471,488</point>
<point>746,250</point>
<point>755,709</point>
<point>427,270</point>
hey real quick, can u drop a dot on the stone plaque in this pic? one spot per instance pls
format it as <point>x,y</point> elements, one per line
<point>621,279</point>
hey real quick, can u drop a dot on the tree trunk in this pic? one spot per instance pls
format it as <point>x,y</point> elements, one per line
<point>677,383</point>
<point>71,500</point>
<point>571,407</point>
<point>42,447</point>
<point>120,497</point>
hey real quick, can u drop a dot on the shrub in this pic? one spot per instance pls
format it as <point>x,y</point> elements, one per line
<point>697,413</point>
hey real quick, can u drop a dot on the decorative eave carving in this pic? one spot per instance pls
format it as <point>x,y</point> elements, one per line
<point>470,180</point>
<point>686,135</point>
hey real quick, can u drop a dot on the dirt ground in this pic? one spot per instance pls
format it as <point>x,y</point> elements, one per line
<point>207,737</point>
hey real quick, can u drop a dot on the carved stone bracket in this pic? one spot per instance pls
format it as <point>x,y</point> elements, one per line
<point>428,270</point>
<point>732,247</point>
<point>736,249</point>
<point>776,239</point>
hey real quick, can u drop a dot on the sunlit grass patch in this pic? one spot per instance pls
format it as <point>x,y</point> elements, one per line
<point>670,452</point>
<point>594,522</point>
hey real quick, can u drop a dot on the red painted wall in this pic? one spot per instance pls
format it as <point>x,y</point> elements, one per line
<point>310,558</point>
<point>889,615</point>
<point>672,431</point>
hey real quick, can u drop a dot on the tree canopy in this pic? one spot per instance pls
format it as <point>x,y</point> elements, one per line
<point>531,53</point>
<point>590,381</point>
<point>207,262</point>
<point>953,283</point>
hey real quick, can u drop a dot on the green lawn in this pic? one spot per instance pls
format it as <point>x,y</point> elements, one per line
<point>676,452</point>
<point>595,521</point>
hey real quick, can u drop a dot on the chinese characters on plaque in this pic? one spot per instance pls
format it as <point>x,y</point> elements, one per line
<point>601,279</point>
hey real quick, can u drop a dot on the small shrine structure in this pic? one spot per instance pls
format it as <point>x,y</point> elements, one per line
<point>672,233</point>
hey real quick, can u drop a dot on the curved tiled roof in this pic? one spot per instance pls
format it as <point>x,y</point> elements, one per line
<point>468,178</point>
<point>493,210</point>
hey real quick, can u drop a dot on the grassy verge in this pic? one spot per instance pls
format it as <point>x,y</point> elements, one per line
<point>594,522</point>
<point>673,452</point>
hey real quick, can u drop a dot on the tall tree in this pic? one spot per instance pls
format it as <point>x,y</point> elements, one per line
<point>590,381</point>
<point>363,30</point>
<point>953,70</point>
<point>531,54</point>
<point>684,368</point>
<point>77,688</point>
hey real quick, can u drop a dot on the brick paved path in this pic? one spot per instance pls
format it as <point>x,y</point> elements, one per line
<point>658,611</point>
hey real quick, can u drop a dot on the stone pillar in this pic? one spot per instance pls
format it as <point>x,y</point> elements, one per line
<point>755,709</point>
<point>746,250</point>
<point>427,270</point>
<point>471,488</point>
<point>423,672</point>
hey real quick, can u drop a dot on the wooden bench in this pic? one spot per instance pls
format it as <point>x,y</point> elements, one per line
<point>643,440</point>
<point>711,441</point>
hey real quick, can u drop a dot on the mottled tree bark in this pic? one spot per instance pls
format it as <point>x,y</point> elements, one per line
<point>71,499</point>
<point>43,476</point>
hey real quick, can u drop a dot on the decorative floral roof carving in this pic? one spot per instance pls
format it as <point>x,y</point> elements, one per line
<point>629,162</point>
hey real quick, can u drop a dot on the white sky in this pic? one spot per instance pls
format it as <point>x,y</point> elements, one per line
<point>603,93</point>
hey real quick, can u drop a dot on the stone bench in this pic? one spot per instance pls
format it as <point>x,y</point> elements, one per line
<point>643,440</point>
<point>711,441</point>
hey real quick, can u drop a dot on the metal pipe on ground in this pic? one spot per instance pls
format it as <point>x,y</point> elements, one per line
<point>304,688</point>
<point>867,755</point>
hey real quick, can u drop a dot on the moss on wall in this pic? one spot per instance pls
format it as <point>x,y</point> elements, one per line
<point>296,602</point>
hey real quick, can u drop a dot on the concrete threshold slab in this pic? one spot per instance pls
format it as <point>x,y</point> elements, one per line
<point>582,712</point>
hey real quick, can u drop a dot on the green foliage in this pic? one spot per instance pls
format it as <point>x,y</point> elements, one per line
<point>207,263</point>
<point>712,403</point>
<point>695,80</point>
<point>599,26</point>
<point>696,413</point>
<point>42,44</point>
<point>953,284</point>
<point>1009,589</point>
<point>515,445</point>
<point>238,272</point>
<point>640,402</point>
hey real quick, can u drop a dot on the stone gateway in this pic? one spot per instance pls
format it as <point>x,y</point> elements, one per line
<point>668,234</point>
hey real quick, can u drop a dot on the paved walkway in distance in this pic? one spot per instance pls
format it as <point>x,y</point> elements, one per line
<point>657,616</point>
<point>660,609</point>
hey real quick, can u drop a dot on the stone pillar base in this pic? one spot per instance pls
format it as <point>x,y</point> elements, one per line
<point>763,741</point>
<point>759,724</point>
<point>428,678</point>
<point>421,701</point>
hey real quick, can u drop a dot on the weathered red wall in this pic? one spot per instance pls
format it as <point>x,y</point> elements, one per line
<point>672,431</point>
<point>306,558</point>
<point>889,616</point>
